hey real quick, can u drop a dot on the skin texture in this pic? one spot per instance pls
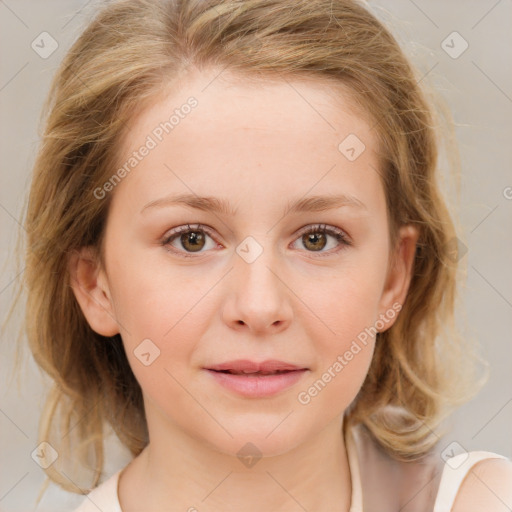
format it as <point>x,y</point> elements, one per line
<point>259,148</point>
<point>488,486</point>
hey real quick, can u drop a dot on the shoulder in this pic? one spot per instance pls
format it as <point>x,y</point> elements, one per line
<point>104,497</point>
<point>487,486</point>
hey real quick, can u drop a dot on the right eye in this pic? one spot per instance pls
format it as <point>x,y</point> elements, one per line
<point>191,238</point>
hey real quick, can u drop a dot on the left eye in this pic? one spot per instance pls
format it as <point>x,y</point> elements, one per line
<point>314,238</point>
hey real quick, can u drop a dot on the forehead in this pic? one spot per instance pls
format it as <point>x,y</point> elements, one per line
<point>271,139</point>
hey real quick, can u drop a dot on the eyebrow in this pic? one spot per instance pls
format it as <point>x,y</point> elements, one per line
<point>222,206</point>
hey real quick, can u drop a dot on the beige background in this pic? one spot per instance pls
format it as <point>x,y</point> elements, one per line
<point>478,87</point>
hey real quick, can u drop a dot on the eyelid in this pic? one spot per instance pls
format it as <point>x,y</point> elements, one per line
<point>173,233</point>
<point>332,230</point>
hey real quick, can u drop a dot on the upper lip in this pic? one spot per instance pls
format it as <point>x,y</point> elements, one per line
<point>246,366</point>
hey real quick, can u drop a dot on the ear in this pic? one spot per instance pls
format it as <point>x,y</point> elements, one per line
<point>90,286</point>
<point>399,273</point>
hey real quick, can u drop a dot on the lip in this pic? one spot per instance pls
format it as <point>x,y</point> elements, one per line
<point>247,366</point>
<point>254,384</point>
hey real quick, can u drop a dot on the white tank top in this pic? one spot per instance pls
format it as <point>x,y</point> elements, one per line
<point>429,485</point>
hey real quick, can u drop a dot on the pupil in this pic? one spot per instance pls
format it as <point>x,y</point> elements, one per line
<point>193,239</point>
<point>314,238</point>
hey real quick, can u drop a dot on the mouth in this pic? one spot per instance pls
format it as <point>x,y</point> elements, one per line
<point>253,374</point>
<point>247,367</point>
<point>256,380</point>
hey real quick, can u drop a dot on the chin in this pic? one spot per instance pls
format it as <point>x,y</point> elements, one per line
<point>258,436</point>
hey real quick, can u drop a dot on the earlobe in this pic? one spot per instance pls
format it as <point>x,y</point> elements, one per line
<point>400,271</point>
<point>90,286</point>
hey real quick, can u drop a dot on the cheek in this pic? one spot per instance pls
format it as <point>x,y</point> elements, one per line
<point>162,326</point>
<point>331,390</point>
<point>343,330</point>
<point>343,353</point>
<point>153,296</point>
<point>344,303</point>
<point>161,316</point>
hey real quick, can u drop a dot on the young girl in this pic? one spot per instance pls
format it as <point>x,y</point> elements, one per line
<point>240,260</point>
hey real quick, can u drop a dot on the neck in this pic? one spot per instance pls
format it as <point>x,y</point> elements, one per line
<point>178,472</point>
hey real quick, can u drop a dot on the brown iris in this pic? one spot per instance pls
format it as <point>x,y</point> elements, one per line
<point>311,241</point>
<point>193,241</point>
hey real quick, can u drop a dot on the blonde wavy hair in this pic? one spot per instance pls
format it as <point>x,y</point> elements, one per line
<point>123,59</point>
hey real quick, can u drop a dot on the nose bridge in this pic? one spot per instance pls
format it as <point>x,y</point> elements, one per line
<point>260,298</point>
<point>256,266</point>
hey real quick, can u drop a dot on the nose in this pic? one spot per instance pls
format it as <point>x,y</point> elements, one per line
<point>260,299</point>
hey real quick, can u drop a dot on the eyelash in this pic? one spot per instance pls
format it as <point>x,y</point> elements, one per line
<point>337,233</point>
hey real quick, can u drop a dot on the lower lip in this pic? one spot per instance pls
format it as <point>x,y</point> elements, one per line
<point>257,386</point>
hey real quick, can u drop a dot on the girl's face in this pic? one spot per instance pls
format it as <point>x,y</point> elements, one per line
<point>248,283</point>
